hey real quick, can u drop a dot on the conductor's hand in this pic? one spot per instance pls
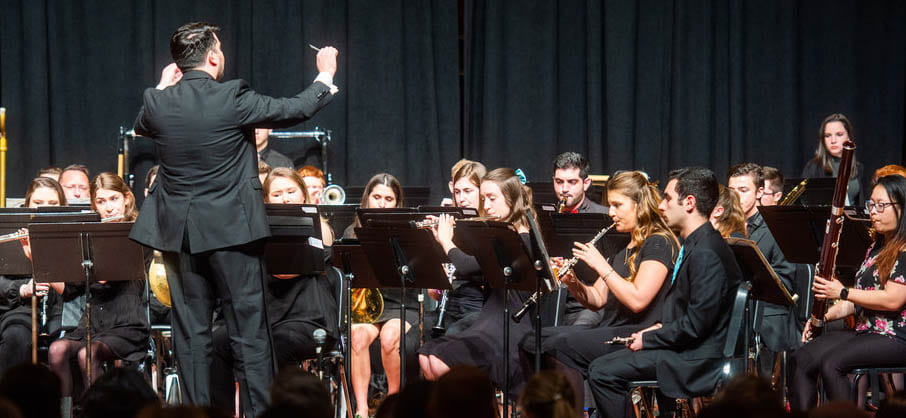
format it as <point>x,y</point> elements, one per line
<point>327,60</point>
<point>169,76</point>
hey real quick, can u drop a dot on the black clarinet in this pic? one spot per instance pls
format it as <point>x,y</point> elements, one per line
<point>439,330</point>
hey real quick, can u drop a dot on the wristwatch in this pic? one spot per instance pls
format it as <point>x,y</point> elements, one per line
<point>844,293</point>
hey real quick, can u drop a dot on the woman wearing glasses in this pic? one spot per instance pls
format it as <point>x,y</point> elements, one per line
<point>878,301</point>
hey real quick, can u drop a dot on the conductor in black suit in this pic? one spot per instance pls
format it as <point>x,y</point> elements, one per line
<point>205,210</point>
<point>684,351</point>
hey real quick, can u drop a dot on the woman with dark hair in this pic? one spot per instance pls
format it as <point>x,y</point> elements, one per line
<point>382,191</point>
<point>629,286</point>
<point>16,292</point>
<point>119,320</point>
<point>878,301</point>
<point>296,305</point>
<point>835,129</point>
<point>506,199</point>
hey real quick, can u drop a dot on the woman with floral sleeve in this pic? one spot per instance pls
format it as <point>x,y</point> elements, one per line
<point>878,301</point>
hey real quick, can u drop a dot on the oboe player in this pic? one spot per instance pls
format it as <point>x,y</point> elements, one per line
<point>627,291</point>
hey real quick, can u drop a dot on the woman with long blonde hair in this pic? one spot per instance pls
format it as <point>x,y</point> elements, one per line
<point>629,285</point>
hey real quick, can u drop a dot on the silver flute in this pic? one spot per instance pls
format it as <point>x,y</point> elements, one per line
<point>567,267</point>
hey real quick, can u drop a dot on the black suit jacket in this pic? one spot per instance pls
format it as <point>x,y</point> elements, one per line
<point>207,188</point>
<point>777,324</point>
<point>696,315</point>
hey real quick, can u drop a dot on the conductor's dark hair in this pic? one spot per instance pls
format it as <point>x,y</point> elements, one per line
<point>190,44</point>
<point>572,160</point>
<point>698,182</point>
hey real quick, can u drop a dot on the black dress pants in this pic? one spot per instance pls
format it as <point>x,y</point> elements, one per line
<point>235,275</point>
<point>830,357</point>
<point>15,345</point>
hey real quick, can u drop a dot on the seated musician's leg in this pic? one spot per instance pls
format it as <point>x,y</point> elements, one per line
<point>437,366</point>
<point>362,337</point>
<point>60,352</point>
<point>609,378</point>
<point>390,353</point>
<point>860,350</point>
<point>100,353</point>
<point>15,346</point>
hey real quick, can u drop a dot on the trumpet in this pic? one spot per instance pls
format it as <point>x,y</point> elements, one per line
<point>333,195</point>
<point>567,267</point>
<point>561,204</point>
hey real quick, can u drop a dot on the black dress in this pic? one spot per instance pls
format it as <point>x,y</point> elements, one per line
<point>119,317</point>
<point>578,346</point>
<point>855,193</point>
<point>481,344</point>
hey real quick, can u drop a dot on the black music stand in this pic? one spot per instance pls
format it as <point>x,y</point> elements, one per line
<point>403,256</point>
<point>295,245</point>
<point>505,263</point>
<point>86,253</point>
<point>12,260</point>
<point>338,216</point>
<point>799,231</point>
<point>766,287</point>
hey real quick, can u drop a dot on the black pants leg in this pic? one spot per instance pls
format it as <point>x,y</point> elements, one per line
<point>15,346</point>
<point>236,276</point>
<point>830,357</point>
<point>609,378</point>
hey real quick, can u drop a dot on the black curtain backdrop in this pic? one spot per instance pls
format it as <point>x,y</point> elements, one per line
<point>649,84</point>
<point>71,73</point>
<point>659,84</point>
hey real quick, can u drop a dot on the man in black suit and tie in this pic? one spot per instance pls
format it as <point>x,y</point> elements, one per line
<point>683,352</point>
<point>205,210</point>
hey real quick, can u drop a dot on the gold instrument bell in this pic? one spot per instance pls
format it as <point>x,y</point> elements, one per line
<point>157,279</point>
<point>366,305</point>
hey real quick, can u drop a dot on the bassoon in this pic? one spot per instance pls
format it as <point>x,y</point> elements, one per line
<point>830,246</point>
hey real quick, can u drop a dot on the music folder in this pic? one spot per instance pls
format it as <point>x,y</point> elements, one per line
<point>498,248</point>
<point>799,231</point>
<point>12,260</point>
<point>295,245</point>
<point>766,285</point>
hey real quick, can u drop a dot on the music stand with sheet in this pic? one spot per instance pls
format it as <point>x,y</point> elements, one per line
<point>295,245</point>
<point>403,256</point>
<point>505,263</point>
<point>12,259</point>
<point>85,253</point>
